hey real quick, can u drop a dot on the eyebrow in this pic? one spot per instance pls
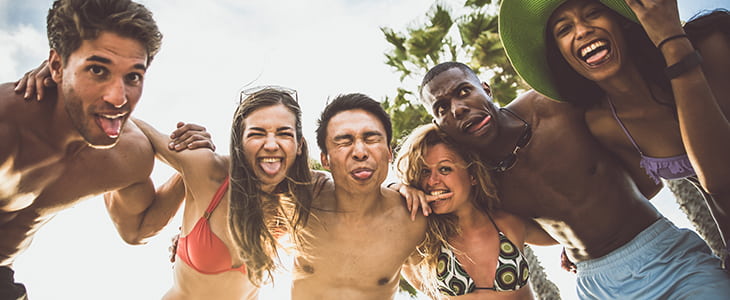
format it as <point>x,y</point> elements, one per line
<point>283,128</point>
<point>372,133</point>
<point>107,61</point>
<point>343,137</point>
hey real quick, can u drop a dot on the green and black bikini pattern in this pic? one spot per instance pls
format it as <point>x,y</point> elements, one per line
<point>453,279</point>
<point>512,270</point>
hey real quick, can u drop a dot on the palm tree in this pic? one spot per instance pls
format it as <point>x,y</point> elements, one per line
<point>692,202</point>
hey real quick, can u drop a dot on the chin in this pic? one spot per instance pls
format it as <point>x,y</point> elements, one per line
<point>102,143</point>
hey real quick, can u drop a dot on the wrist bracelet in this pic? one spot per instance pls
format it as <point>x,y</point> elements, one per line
<point>391,184</point>
<point>688,62</point>
<point>674,37</point>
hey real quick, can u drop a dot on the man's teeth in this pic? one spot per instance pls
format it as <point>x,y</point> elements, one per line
<point>114,116</point>
<point>591,47</point>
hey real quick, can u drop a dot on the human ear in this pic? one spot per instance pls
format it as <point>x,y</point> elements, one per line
<point>302,141</point>
<point>487,89</point>
<point>324,159</point>
<point>55,65</point>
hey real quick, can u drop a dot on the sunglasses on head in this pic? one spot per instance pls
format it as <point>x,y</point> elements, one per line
<point>263,88</point>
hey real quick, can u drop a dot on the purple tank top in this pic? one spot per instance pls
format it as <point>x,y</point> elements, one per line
<point>674,167</point>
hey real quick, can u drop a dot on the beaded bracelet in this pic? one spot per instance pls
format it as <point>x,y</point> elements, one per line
<point>688,62</point>
<point>674,37</point>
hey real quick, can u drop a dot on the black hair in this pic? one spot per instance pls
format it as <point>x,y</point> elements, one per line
<point>349,102</point>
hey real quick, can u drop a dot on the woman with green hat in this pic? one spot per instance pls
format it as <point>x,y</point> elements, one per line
<point>656,94</point>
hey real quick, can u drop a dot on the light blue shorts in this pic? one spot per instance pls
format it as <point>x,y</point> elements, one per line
<point>661,262</point>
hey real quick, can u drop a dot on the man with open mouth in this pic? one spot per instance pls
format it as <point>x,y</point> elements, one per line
<point>76,143</point>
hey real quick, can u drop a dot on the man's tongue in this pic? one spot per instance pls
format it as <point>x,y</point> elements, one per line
<point>481,124</point>
<point>110,126</point>
<point>271,168</point>
<point>596,57</point>
<point>362,174</point>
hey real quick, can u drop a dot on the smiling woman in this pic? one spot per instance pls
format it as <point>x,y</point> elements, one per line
<point>655,92</point>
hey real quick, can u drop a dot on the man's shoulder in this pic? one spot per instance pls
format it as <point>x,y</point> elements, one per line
<point>398,211</point>
<point>12,108</point>
<point>531,105</point>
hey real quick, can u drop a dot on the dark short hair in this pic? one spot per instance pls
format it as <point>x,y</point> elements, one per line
<point>443,67</point>
<point>70,22</point>
<point>350,102</point>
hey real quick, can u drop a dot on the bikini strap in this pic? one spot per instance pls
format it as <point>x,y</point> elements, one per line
<point>217,197</point>
<point>494,223</point>
<point>615,116</point>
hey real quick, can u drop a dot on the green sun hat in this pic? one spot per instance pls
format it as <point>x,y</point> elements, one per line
<point>522,27</point>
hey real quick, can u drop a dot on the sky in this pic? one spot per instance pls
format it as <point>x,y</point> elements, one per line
<point>211,50</point>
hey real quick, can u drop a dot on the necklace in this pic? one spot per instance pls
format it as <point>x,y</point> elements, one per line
<point>509,161</point>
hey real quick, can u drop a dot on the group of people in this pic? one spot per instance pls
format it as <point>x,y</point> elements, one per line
<point>619,86</point>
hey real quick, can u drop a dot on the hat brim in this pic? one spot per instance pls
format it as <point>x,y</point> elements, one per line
<point>522,27</point>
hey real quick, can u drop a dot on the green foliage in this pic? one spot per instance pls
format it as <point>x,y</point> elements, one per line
<point>406,114</point>
<point>315,165</point>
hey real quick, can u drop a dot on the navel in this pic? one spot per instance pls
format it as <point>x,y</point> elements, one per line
<point>383,281</point>
<point>308,269</point>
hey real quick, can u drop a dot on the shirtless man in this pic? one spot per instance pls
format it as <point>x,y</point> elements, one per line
<point>549,167</point>
<point>360,233</point>
<point>77,143</point>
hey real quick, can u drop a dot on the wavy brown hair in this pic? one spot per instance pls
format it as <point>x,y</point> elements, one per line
<point>69,22</point>
<point>409,163</point>
<point>256,218</point>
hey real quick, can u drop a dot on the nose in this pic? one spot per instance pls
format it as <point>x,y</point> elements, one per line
<point>582,30</point>
<point>270,143</point>
<point>458,109</point>
<point>433,179</point>
<point>115,93</point>
<point>359,151</point>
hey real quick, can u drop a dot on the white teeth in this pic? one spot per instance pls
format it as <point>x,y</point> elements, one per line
<point>114,116</point>
<point>270,159</point>
<point>436,193</point>
<point>591,47</point>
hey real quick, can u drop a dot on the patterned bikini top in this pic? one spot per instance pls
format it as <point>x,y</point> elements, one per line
<point>674,167</point>
<point>512,271</point>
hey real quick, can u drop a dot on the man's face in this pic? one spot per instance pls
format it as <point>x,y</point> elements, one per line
<point>100,84</point>
<point>461,107</point>
<point>358,151</point>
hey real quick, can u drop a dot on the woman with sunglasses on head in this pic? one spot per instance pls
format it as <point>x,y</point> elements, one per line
<point>228,244</point>
<point>473,250</point>
<point>656,94</point>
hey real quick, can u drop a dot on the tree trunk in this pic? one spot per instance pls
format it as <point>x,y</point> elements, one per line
<point>543,287</point>
<point>692,202</point>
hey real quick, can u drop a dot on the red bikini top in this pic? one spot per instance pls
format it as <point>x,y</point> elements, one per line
<point>201,249</point>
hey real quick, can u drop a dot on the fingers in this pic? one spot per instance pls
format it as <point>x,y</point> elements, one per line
<point>29,85</point>
<point>190,136</point>
<point>38,81</point>
<point>413,208</point>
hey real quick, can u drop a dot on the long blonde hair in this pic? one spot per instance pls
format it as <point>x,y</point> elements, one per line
<point>409,163</point>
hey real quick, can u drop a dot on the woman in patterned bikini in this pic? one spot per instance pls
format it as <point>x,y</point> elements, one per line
<point>472,249</point>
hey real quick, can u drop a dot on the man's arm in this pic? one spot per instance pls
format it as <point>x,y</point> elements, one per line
<point>535,235</point>
<point>139,211</point>
<point>137,220</point>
